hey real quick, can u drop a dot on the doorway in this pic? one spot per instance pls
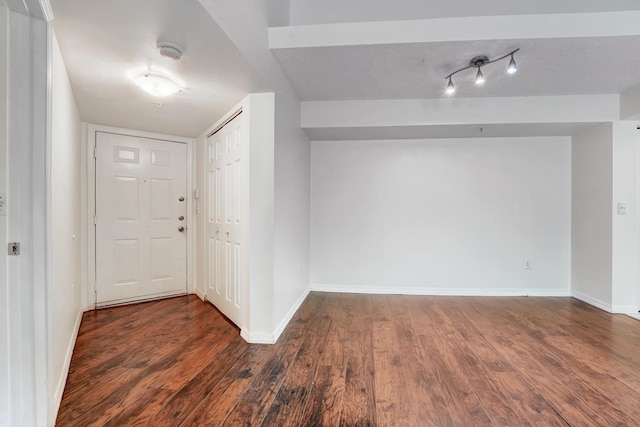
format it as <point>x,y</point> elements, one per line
<point>141,217</point>
<point>227,183</point>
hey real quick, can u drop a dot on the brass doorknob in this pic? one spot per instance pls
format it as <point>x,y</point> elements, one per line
<point>181,229</point>
<point>181,199</point>
<point>181,218</point>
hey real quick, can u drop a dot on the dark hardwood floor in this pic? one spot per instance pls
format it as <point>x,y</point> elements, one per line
<point>359,360</point>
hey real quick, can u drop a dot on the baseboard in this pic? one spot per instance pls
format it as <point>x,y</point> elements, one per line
<point>257,338</point>
<point>491,292</point>
<point>200,294</point>
<point>592,301</point>
<point>267,338</point>
<point>287,317</point>
<point>62,380</point>
<point>624,309</point>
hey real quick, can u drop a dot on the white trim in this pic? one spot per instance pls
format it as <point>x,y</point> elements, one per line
<point>66,364</point>
<point>137,300</point>
<point>360,289</point>
<point>27,221</point>
<point>91,197</point>
<point>624,309</point>
<point>257,338</point>
<point>605,306</point>
<point>200,294</point>
<point>287,317</point>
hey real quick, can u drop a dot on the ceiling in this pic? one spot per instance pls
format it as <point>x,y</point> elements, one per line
<point>104,42</point>
<point>568,66</point>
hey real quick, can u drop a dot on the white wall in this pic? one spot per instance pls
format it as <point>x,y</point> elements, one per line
<point>304,12</point>
<point>245,23</point>
<point>66,283</point>
<point>4,337</point>
<point>630,103</point>
<point>591,215</point>
<point>625,227</point>
<point>453,216</point>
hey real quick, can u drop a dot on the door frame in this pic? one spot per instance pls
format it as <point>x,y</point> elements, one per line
<point>90,203</point>
<point>28,310</point>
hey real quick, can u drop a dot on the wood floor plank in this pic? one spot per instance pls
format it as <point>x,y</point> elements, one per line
<point>570,396</point>
<point>223,398</point>
<point>190,397</point>
<point>324,405</point>
<point>358,360</point>
<point>287,409</point>
<point>519,394</point>
<point>359,396</point>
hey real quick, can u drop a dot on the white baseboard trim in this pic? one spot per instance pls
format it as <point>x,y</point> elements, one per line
<point>287,317</point>
<point>257,338</point>
<point>5,420</point>
<point>624,309</point>
<point>490,292</point>
<point>62,380</point>
<point>592,301</point>
<point>272,338</point>
<point>200,294</point>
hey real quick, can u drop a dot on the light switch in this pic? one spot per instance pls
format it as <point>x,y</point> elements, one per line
<point>622,208</point>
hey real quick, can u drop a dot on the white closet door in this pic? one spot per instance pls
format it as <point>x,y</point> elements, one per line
<point>140,218</point>
<point>226,222</point>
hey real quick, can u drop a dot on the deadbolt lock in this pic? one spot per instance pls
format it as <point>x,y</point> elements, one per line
<point>181,229</point>
<point>181,199</point>
<point>181,218</point>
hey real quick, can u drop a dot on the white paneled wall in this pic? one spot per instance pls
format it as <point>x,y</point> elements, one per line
<point>452,216</point>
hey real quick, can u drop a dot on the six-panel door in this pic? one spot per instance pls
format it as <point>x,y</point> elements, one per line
<point>141,214</point>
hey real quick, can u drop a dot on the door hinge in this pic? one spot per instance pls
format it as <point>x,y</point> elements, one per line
<point>95,152</point>
<point>94,220</point>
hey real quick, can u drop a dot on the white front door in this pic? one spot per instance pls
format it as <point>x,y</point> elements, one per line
<point>227,214</point>
<point>141,209</point>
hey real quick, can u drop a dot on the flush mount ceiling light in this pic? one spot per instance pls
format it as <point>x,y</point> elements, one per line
<point>479,62</point>
<point>157,84</point>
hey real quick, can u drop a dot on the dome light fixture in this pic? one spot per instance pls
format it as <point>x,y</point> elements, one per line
<point>157,84</point>
<point>479,62</point>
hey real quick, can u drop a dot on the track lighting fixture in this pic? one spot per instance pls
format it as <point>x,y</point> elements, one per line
<point>479,62</point>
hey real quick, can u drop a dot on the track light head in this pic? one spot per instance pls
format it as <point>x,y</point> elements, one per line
<point>451,89</point>
<point>479,77</point>
<point>512,67</point>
